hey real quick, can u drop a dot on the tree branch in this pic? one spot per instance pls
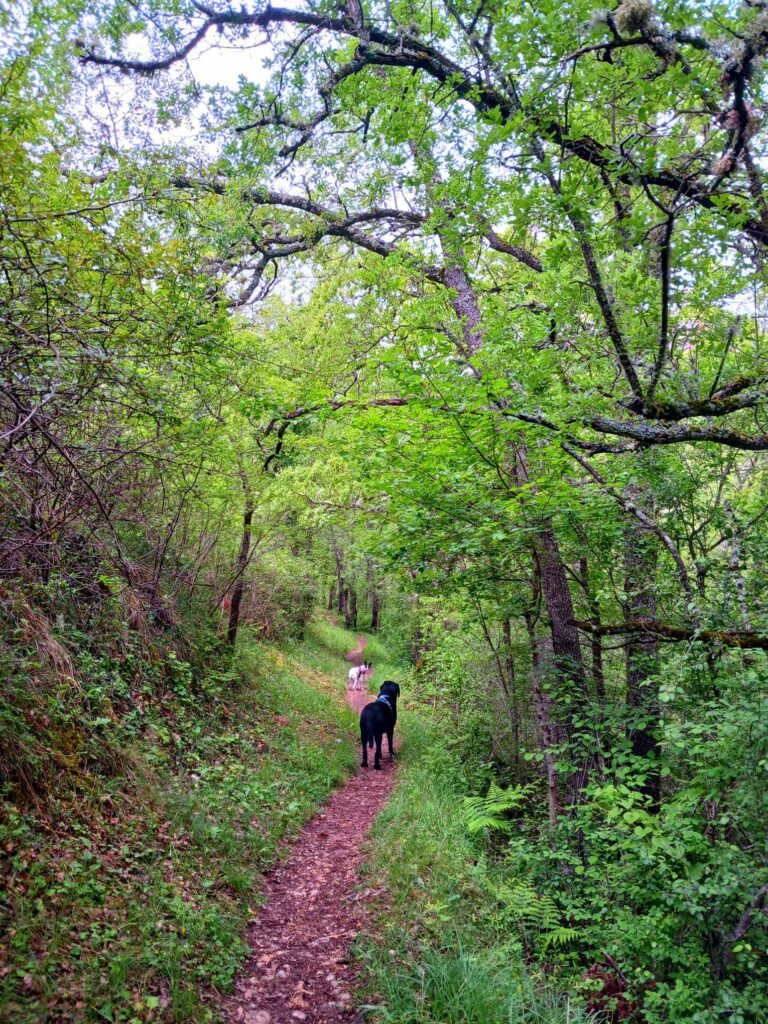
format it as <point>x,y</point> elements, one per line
<point>741,638</point>
<point>379,47</point>
<point>629,506</point>
<point>757,904</point>
<point>651,435</point>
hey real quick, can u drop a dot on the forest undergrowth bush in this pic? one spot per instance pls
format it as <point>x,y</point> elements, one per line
<point>660,910</point>
<point>442,951</point>
<point>143,797</point>
<point>280,597</point>
<point>643,916</point>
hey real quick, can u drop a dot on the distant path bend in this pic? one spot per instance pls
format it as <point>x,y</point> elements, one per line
<point>356,656</point>
<point>300,938</point>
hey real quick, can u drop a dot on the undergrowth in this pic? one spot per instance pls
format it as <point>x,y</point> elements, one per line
<point>157,794</point>
<point>440,950</point>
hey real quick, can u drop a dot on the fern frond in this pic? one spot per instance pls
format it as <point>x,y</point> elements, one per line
<point>488,811</point>
<point>560,936</point>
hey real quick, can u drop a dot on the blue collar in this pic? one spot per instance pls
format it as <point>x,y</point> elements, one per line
<point>385,700</point>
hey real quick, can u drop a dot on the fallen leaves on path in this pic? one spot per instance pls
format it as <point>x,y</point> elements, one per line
<point>300,939</point>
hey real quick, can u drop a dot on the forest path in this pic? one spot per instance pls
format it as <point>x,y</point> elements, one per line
<point>356,656</point>
<point>300,938</point>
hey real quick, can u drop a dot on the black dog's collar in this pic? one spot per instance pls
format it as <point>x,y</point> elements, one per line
<point>381,697</point>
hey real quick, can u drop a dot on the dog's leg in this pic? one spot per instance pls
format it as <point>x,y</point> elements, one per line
<point>377,758</point>
<point>390,738</point>
<point>364,741</point>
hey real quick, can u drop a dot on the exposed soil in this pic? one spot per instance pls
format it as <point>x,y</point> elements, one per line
<point>300,939</point>
<point>356,656</point>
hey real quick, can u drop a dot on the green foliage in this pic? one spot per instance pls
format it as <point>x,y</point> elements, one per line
<point>134,907</point>
<point>487,812</point>
<point>536,915</point>
<point>515,340</point>
<point>453,985</point>
<point>444,951</point>
<point>658,897</point>
<point>324,631</point>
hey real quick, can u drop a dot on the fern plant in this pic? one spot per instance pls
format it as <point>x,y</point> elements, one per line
<point>487,812</point>
<point>531,911</point>
<point>521,906</point>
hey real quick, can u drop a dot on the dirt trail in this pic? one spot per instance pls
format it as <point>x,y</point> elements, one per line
<point>356,656</point>
<point>300,939</point>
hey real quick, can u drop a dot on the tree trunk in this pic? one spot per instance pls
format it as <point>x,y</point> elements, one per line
<point>598,673</point>
<point>332,597</point>
<point>566,646</point>
<point>350,606</point>
<point>338,557</point>
<point>509,665</point>
<point>561,660</point>
<point>642,652</point>
<point>734,565</point>
<point>240,567</point>
<point>505,675</point>
<point>547,727</point>
<point>556,591</point>
<point>373,596</point>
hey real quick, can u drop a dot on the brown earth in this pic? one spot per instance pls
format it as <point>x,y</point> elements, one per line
<point>299,968</point>
<point>356,656</point>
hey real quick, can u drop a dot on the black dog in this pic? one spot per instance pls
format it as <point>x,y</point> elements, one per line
<point>378,718</point>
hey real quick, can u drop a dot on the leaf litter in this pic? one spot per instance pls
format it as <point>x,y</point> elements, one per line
<point>299,968</point>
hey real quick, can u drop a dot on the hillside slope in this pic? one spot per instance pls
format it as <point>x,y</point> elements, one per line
<point>128,880</point>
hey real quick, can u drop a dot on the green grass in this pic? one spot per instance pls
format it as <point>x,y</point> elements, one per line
<point>325,636</point>
<point>438,951</point>
<point>325,639</point>
<point>126,897</point>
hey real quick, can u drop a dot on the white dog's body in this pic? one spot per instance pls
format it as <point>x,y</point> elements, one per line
<point>358,676</point>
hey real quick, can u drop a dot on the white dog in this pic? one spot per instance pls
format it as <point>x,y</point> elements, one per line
<point>359,675</point>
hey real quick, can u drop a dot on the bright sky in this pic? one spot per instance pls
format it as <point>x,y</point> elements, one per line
<point>217,64</point>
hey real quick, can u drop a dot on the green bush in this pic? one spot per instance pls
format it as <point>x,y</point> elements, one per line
<point>127,890</point>
<point>651,902</point>
<point>443,952</point>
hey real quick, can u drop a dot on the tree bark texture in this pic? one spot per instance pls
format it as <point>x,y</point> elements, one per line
<point>241,565</point>
<point>350,608</point>
<point>543,705</point>
<point>373,596</point>
<point>596,641</point>
<point>642,651</point>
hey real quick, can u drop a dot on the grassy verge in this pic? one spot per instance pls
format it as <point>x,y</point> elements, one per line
<point>325,639</point>
<point>440,950</point>
<point>125,897</point>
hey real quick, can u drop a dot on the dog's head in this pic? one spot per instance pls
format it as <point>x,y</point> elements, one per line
<point>389,689</point>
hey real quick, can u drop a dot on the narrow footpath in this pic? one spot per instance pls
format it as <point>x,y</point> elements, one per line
<point>300,939</point>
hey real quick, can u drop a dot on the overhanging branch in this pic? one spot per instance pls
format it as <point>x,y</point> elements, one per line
<point>381,48</point>
<point>741,638</point>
